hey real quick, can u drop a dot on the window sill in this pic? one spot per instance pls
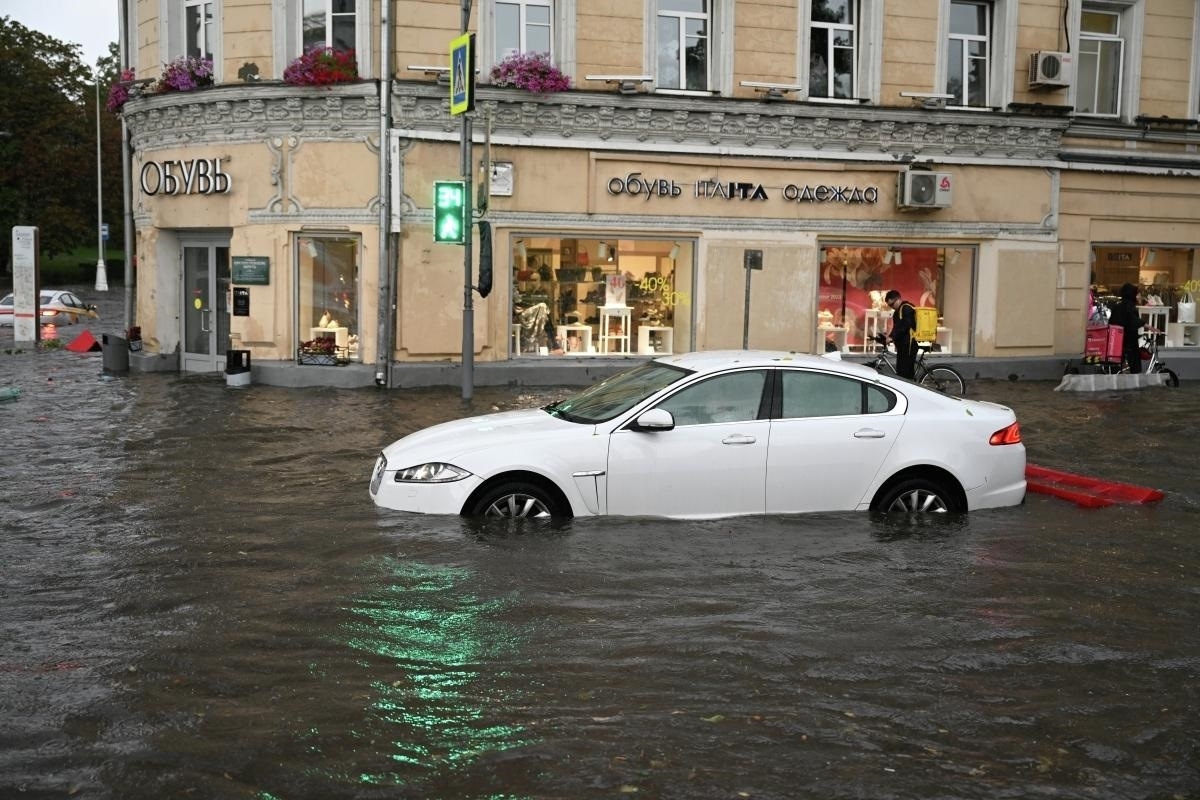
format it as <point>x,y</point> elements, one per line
<point>688,92</point>
<point>837,101</point>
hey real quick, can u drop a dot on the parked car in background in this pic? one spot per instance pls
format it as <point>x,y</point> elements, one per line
<point>716,434</point>
<point>57,306</point>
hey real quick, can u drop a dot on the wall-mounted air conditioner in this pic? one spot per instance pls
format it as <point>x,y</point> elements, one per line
<point>918,188</point>
<point>1050,70</point>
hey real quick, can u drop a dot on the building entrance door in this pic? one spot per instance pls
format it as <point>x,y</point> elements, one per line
<point>205,315</point>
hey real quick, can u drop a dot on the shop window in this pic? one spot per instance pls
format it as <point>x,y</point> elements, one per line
<point>192,28</point>
<point>589,297</point>
<point>1159,272</point>
<point>327,277</point>
<point>341,24</point>
<point>968,54</point>
<point>855,278</point>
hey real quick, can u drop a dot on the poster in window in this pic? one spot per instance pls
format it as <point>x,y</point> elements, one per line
<point>614,290</point>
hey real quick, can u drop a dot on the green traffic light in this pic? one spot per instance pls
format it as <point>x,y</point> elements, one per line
<point>450,213</point>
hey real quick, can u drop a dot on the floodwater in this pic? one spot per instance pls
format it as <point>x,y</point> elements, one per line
<point>199,599</point>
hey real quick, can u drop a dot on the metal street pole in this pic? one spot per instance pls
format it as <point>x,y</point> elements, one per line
<point>101,275</point>
<point>468,354</point>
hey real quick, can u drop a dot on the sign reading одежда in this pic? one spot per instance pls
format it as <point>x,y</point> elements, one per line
<point>252,270</point>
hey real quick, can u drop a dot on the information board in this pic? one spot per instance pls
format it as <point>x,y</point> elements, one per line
<point>252,270</point>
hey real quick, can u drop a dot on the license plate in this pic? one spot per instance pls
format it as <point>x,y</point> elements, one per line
<point>377,477</point>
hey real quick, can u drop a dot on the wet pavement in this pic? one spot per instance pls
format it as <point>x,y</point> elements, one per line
<point>198,599</point>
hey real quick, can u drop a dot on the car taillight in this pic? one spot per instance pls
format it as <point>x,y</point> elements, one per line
<point>1009,435</point>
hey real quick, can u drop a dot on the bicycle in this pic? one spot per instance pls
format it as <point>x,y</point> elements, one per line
<point>1148,350</point>
<point>939,377</point>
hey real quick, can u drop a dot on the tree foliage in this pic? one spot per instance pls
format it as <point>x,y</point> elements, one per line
<point>48,142</point>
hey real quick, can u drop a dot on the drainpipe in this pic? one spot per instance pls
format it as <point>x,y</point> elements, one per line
<point>126,178</point>
<point>383,357</point>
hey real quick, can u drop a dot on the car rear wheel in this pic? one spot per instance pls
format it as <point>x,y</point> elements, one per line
<point>918,496</point>
<point>516,500</point>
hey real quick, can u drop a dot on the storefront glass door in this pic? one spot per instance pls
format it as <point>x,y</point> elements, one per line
<point>205,311</point>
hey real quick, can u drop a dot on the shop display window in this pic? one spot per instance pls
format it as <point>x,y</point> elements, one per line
<point>1160,272</point>
<point>855,278</point>
<point>600,296</point>
<point>327,270</point>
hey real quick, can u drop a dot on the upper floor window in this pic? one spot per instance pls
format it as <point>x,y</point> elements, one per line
<point>682,45</point>
<point>300,25</point>
<point>833,49</point>
<point>523,26</point>
<point>328,23</point>
<point>199,28</point>
<point>1101,62</point>
<point>968,58</point>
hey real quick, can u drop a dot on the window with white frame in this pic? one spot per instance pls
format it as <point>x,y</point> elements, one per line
<point>190,28</point>
<point>833,49</point>
<point>199,28</point>
<point>968,54</point>
<point>328,23</point>
<point>1101,61</point>
<point>299,25</point>
<point>524,26</point>
<point>682,45</point>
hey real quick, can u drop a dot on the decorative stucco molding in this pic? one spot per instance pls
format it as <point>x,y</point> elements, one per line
<point>600,121</point>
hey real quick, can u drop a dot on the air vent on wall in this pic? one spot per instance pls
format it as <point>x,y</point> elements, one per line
<point>1050,70</point>
<point>919,189</point>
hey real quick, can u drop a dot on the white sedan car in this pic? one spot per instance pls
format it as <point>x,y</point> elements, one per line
<point>57,306</point>
<point>716,434</point>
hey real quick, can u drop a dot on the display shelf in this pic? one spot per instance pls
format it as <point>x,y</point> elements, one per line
<point>834,333</point>
<point>648,333</point>
<point>1183,334</point>
<point>581,332</point>
<point>614,342</point>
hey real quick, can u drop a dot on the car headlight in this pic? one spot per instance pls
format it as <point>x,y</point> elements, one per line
<point>433,472</point>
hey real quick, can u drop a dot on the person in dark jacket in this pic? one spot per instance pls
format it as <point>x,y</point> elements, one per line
<point>904,333</point>
<point>1125,314</point>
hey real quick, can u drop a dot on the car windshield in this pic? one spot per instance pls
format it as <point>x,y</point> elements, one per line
<point>617,394</point>
<point>7,301</point>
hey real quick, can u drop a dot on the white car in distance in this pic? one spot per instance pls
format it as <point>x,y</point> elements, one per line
<point>715,434</point>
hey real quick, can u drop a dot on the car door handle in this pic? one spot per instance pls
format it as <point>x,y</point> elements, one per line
<point>738,438</point>
<point>868,433</point>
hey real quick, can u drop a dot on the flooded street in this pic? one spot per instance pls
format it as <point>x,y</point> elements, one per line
<point>199,599</point>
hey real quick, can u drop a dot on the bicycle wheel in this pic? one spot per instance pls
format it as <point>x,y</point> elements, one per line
<point>1172,378</point>
<point>945,380</point>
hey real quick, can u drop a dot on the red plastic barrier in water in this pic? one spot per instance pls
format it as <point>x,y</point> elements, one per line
<point>1085,491</point>
<point>84,343</point>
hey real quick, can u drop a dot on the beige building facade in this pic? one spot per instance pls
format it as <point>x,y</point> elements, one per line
<point>723,174</point>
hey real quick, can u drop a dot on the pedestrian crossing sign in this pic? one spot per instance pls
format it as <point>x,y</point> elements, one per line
<point>462,74</point>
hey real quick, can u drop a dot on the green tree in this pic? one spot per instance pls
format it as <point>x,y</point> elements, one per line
<point>48,142</point>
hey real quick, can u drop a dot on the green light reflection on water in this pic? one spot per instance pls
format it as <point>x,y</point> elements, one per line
<point>441,650</point>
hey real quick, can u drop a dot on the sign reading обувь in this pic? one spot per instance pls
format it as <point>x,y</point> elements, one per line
<point>185,176</point>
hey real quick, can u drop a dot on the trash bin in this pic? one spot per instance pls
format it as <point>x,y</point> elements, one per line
<point>237,367</point>
<point>115,352</point>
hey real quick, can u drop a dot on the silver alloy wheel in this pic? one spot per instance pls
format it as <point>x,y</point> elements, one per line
<point>517,505</point>
<point>919,500</point>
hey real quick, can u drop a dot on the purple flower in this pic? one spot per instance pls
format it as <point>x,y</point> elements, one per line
<point>186,73</point>
<point>321,66</point>
<point>532,72</point>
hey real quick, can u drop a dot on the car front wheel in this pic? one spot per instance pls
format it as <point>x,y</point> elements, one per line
<point>918,496</point>
<point>515,500</point>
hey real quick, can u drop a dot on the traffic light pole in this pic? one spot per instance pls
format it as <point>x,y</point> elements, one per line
<point>468,337</point>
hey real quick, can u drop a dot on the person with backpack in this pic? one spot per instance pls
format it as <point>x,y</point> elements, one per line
<point>904,334</point>
<point>1125,313</point>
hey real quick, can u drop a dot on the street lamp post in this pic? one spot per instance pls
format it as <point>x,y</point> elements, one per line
<point>101,274</point>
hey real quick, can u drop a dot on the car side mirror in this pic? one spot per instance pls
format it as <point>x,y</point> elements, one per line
<point>656,419</point>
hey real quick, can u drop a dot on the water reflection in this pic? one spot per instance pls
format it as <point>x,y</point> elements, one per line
<point>433,639</point>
